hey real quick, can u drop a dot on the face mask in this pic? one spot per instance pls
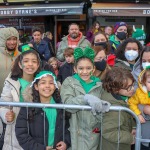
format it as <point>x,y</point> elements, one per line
<point>142,43</point>
<point>103,44</point>
<point>131,55</point>
<point>100,65</point>
<point>121,35</point>
<point>145,64</point>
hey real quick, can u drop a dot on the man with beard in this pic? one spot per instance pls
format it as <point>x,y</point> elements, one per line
<point>120,34</point>
<point>9,39</point>
<point>73,39</point>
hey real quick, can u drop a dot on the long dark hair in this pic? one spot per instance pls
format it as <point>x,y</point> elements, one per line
<point>36,99</point>
<point>16,71</point>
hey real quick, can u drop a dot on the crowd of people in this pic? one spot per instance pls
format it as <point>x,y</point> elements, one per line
<point>104,68</point>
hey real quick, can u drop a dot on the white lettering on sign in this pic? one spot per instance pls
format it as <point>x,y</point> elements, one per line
<point>106,11</point>
<point>146,12</point>
<point>56,10</point>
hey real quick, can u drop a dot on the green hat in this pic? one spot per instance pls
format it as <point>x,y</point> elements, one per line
<point>42,74</point>
<point>24,48</point>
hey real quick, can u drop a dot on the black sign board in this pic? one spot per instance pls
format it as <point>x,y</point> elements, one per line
<point>41,10</point>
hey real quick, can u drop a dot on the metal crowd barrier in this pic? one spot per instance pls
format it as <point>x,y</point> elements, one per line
<point>138,139</point>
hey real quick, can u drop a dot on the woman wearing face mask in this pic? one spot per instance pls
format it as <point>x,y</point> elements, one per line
<point>102,55</point>
<point>141,63</point>
<point>100,62</point>
<point>128,53</point>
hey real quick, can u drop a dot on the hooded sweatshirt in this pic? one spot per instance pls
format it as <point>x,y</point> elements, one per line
<point>140,96</point>
<point>7,59</point>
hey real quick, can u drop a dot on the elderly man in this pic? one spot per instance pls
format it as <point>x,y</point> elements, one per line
<point>73,39</point>
<point>9,38</point>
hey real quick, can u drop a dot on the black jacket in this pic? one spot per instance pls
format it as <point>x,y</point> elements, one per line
<point>32,135</point>
<point>65,71</point>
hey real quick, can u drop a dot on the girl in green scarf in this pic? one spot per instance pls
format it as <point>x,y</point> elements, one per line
<point>42,129</point>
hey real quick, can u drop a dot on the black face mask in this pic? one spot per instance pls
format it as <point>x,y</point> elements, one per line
<point>100,65</point>
<point>103,44</point>
<point>121,35</point>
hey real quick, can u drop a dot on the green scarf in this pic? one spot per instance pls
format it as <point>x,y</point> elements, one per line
<point>51,115</point>
<point>23,84</point>
<point>87,86</point>
<point>124,98</point>
<point>149,94</point>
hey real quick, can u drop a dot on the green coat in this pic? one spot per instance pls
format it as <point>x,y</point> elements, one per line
<point>82,123</point>
<point>110,126</point>
<point>83,43</point>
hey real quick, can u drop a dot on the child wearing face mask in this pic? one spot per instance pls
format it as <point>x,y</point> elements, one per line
<point>84,89</point>
<point>142,96</point>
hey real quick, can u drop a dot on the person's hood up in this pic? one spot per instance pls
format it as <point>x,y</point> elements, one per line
<point>141,86</point>
<point>136,70</point>
<point>5,34</point>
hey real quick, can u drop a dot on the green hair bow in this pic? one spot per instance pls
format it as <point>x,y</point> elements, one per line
<point>87,53</point>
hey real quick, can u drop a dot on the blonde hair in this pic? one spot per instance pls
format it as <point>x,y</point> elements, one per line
<point>52,59</point>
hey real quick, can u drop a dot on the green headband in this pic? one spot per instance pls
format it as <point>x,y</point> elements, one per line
<point>42,74</point>
<point>86,53</point>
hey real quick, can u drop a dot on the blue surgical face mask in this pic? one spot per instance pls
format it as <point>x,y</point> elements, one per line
<point>145,64</point>
<point>131,55</point>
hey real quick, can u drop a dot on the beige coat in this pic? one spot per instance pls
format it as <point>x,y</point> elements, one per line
<point>10,93</point>
<point>6,59</point>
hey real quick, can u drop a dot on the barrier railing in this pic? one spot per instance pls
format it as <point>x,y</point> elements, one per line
<point>138,139</point>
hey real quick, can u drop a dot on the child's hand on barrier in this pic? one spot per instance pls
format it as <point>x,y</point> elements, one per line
<point>133,140</point>
<point>49,148</point>
<point>61,146</point>
<point>141,118</point>
<point>10,115</point>
<point>133,133</point>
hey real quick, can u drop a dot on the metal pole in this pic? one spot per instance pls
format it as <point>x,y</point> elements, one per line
<point>81,107</point>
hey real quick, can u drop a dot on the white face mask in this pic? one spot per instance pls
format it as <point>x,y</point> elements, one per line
<point>145,64</point>
<point>131,55</point>
<point>142,43</point>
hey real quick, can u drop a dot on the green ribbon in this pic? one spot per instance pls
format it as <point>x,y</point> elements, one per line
<point>87,53</point>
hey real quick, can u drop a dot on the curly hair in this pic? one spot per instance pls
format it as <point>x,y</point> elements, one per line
<point>36,99</point>
<point>116,79</point>
<point>121,49</point>
<point>16,71</point>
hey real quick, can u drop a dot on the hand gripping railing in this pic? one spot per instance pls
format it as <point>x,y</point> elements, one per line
<point>138,139</point>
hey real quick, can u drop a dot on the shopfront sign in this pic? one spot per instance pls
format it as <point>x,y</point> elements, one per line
<point>40,11</point>
<point>120,9</point>
<point>121,12</point>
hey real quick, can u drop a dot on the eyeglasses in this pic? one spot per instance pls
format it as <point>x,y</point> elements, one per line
<point>129,88</point>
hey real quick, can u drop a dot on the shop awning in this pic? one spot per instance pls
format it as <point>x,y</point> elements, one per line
<point>120,9</point>
<point>42,10</point>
